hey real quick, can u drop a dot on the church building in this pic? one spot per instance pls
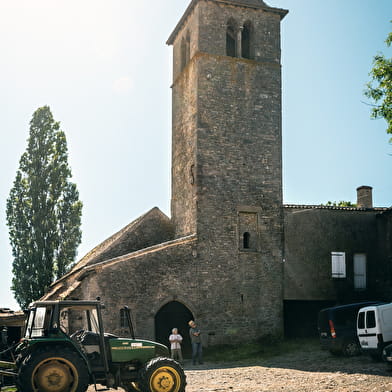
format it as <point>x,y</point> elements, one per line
<point>231,256</point>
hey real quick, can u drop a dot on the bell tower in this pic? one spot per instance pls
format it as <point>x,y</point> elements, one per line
<point>227,159</point>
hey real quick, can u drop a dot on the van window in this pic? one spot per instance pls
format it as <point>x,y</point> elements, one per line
<point>370,319</point>
<point>361,320</point>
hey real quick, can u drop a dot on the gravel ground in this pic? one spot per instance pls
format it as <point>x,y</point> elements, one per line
<point>309,371</point>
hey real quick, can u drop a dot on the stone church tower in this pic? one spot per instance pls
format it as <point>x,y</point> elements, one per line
<point>218,259</point>
<point>226,163</point>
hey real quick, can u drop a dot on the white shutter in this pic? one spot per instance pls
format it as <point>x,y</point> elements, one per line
<point>360,271</point>
<point>338,264</point>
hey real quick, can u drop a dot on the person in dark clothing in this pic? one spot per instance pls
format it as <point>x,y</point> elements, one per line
<point>197,349</point>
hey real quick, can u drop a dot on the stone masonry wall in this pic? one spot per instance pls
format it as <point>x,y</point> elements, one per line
<point>265,30</point>
<point>238,170</point>
<point>145,283</point>
<point>183,202</point>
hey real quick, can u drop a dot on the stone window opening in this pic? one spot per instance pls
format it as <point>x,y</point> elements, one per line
<point>239,40</point>
<point>246,240</point>
<point>123,319</point>
<point>192,174</point>
<point>231,39</point>
<point>248,237</point>
<point>246,41</point>
<point>185,50</point>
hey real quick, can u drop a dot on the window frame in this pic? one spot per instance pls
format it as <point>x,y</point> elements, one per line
<point>360,271</point>
<point>338,265</point>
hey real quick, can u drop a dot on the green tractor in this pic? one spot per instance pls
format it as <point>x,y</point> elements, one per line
<point>65,349</point>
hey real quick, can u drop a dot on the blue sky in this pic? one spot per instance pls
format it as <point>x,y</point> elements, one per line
<point>105,71</point>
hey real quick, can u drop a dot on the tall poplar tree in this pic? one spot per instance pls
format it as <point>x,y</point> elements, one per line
<point>43,211</point>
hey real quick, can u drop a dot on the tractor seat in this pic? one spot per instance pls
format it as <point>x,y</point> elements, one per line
<point>89,338</point>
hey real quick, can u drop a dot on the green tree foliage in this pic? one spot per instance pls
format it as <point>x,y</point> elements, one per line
<point>341,203</point>
<point>379,89</point>
<point>43,211</point>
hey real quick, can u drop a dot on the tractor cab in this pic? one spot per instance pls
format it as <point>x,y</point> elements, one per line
<point>74,324</point>
<point>48,318</point>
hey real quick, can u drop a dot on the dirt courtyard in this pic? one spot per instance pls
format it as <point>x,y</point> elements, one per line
<point>302,371</point>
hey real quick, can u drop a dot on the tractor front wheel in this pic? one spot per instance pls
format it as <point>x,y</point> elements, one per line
<point>163,375</point>
<point>50,369</point>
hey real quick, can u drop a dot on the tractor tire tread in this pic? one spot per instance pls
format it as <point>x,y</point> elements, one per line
<point>23,379</point>
<point>155,363</point>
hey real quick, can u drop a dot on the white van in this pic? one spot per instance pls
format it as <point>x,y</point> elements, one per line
<point>374,328</point>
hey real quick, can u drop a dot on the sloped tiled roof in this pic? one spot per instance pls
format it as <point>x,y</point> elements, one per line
<point>323,207</point>
<point>150,230</point>
<point>9,318</point>
<point>130,238</point>
<point>66,285</point>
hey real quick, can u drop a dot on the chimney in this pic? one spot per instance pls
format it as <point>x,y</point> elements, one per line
<point>364,197</point>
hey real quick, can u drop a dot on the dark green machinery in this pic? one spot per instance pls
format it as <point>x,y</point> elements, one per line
<point>65,349</point>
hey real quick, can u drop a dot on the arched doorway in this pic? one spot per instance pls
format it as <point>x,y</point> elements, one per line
<point>173,315</point>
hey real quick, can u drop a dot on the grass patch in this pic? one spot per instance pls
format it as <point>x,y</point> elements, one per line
<point>8,389</point>
<point>262,349</point>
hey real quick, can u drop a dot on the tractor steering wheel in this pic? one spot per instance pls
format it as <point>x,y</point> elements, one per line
<point>77,334</point>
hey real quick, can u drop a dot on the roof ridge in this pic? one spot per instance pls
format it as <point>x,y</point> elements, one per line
<point>324,207</point>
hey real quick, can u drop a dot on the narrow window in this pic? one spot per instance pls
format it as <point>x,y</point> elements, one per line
<point>183,53</point>
<point>185,50</point>
<point>360,271</point>
<point>123,319</point>
<point>231,39</point>
<point>338,264</point>
<point>246,240</point>
<point>245,41</point>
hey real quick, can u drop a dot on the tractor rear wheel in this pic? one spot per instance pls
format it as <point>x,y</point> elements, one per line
<point>53,369</point>
<point>163,375</point>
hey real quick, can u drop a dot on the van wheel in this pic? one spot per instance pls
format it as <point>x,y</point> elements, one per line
<point>351,349</point>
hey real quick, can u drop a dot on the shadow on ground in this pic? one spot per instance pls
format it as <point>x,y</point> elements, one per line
<point>315,360</point>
